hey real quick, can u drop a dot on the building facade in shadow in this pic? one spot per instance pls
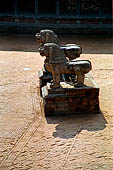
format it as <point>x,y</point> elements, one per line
<point>76,16</point>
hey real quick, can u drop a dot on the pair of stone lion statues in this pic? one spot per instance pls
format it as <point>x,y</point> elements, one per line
<point>61,59</point>
<point>71,51</point>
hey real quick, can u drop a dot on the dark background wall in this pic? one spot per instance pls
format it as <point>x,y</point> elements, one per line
<point>76,16</point>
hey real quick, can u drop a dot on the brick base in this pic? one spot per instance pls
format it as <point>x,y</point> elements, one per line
<point>70,99</point>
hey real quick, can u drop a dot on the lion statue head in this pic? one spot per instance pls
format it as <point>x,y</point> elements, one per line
<point>53,53</point>
<point>71,51</point>
<point>46,36</point>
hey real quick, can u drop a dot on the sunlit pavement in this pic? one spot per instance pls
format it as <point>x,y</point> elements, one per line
<point>28,140</point>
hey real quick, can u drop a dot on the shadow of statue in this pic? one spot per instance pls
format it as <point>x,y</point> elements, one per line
<point>69,126</point>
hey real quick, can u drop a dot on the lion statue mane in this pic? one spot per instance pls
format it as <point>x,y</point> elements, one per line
<point>46,36</point>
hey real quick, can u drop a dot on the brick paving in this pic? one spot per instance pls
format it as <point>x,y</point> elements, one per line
<point>30,141</point>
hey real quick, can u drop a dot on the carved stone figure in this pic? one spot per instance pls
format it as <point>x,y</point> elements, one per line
<point>46,36</point>
<point>57,64</point>
<point>62,69</point>
<point>71,51</point>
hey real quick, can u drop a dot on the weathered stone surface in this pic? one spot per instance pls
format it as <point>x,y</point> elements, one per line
<point>71,51</point>
<point>57,64</point>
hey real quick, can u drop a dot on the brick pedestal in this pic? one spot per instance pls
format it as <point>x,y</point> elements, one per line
<point>69,99</point>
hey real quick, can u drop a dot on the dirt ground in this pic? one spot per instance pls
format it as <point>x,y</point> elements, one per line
<point>29,141</point>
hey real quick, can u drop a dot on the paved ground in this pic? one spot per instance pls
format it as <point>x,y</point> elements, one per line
<point>27,139</point>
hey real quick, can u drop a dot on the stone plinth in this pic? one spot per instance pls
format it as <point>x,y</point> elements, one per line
<point>69,99</point>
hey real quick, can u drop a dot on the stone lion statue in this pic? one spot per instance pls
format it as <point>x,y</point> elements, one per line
<point>46,36</point>
<point>71,51</point>
<point>57,64</point>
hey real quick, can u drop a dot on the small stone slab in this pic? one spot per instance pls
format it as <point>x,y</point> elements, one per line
<point>69,99</point>
<point>44,77</point>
